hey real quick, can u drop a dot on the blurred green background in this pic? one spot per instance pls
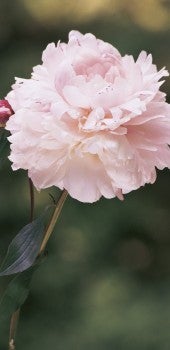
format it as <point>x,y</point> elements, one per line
<point>106,282</point>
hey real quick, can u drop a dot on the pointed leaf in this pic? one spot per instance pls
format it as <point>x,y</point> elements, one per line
<point>15,294</point>
<point>24,248</point>
<point>17,291</point>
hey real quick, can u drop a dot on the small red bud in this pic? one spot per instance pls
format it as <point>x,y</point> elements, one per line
<point>5,112</point>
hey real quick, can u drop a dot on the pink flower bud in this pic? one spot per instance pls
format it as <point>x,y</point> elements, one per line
<point>5,112</point>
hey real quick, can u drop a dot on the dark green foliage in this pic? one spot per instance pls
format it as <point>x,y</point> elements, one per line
<point>15,294</point>
<point>24,248</point>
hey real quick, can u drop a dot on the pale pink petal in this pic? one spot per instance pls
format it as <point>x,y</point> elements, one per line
<point>75,98</point>
<point>90,120</point>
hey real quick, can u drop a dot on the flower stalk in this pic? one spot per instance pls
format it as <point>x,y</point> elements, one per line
<point>13,329</point>
<point>49,230</point>
<point>31,188</point>
<point>53,220</point>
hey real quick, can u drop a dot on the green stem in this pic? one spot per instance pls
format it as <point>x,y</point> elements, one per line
<point>53,220</point>
<point>13,329</point>
<point>49,230</point>
<point>31,188</point>
<point>15,316</point>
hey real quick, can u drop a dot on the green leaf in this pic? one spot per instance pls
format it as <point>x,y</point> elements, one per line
<point>23,250</point>
<point>15,295</point>
<point>17,292</point>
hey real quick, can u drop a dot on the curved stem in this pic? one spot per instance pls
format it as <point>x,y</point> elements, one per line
<point>49,230</point>
<point>16,314</point>
<point>31,188</point>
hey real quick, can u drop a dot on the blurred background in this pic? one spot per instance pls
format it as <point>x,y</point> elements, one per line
<point>106,282</point>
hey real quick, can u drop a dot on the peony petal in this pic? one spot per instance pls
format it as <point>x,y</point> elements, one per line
<point>89,120</point>
<point>74,96</point>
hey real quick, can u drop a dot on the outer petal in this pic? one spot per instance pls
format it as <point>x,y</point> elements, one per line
<point>86,179</point>
<point>90,120</point>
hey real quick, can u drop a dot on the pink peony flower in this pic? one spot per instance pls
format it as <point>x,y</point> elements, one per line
<point>90,121</point>
<point>5,112</point>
